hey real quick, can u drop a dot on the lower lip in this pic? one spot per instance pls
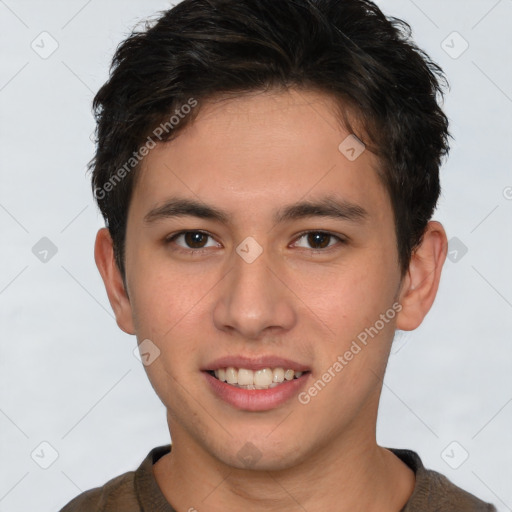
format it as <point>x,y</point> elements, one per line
<point>256,399</point>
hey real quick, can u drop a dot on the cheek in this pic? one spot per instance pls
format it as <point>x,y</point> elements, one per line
<point>357,342</point>
<point>163,292</point>
<point>351,296</point>
<point>164,304</point>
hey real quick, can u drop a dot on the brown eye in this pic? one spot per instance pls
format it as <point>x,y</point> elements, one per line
<point>195,239</point>
<point>318,240</point>
<point>192,240</point>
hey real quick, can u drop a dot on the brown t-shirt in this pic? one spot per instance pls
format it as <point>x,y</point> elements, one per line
<point>138,491</point>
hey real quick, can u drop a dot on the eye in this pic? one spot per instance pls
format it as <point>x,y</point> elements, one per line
<point>320,239</point>
<point>193,240</point>
<point>196,241</point>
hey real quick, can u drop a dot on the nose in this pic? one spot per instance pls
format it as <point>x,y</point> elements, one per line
<point>254,300</point>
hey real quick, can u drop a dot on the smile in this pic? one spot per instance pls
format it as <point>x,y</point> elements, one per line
<point>264,378</point>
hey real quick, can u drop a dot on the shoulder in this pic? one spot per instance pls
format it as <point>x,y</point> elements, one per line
<point>117,494</point>
<point>126,492</point>
<point>435,492</point>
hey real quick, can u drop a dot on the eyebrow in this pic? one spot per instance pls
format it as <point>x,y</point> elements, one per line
<point>328,206</point>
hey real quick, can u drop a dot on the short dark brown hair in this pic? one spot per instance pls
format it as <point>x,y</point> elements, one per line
<point>347,49</point>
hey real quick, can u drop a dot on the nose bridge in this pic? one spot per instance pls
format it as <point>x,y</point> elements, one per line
<point>252,298</point>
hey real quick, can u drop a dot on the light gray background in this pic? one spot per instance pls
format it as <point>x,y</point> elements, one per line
<point>68,374</point>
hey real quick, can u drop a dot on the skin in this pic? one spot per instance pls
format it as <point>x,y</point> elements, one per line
<point>250,156</point>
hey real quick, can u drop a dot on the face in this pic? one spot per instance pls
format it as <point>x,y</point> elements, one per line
<point>259,279</point>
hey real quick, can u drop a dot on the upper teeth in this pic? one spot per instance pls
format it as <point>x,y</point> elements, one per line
<point>259,379</point>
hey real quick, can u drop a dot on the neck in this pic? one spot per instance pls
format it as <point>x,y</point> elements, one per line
<point>345,475</point>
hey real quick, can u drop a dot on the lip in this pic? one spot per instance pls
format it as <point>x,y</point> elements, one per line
<point>256,399</point>
<point>255,363</point>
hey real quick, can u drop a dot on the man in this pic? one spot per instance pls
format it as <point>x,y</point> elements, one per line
<point>267,171</point>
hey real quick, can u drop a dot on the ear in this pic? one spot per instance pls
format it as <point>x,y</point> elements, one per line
<point>105,261</point>
<point>420,284</point>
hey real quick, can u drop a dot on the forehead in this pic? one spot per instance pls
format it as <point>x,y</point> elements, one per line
<point>263,148</point>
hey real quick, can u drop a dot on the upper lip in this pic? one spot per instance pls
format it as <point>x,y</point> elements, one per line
<point>255,363</point>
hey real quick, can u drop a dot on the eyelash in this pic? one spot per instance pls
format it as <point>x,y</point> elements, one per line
<point>173,237</point>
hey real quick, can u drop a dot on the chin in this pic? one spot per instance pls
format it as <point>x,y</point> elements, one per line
<point>261,454</point>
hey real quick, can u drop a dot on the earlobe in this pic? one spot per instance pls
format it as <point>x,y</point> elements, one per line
<point>422,279</point>
<point>105,261</point>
